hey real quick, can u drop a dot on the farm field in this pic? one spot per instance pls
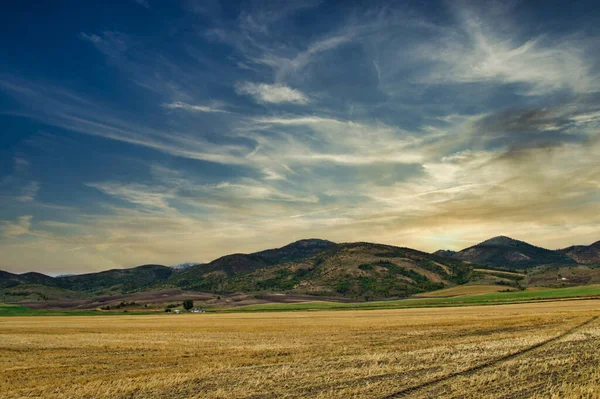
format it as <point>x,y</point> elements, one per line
<point>467,297</point>
<point>537,350</point>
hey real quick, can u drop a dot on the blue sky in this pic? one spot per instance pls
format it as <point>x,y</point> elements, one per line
<point>146,131</point>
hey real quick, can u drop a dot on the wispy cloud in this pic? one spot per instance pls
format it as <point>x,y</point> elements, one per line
<point>151,197</point>
<point>474,52</point>
<point>196,108</point>
<point>64,109</point>
<point>110,43</point>
<point>20,164</point>
<point>275,93</point>
<point>17,228</point>
<point>29,192</point>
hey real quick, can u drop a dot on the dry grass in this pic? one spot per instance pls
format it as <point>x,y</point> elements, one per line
<point>350,354</point>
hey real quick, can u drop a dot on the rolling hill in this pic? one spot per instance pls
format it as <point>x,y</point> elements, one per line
<point>316,267</point>
<point>509,253</point>
<point>585,254</point>
<point>305,267</point>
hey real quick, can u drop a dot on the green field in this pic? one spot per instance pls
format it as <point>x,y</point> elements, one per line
<point>587,291</point>
<point>479,299</point>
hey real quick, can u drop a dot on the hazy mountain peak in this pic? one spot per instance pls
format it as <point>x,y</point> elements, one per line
<point>502,240</point>
<point>507,252</point>
<point>310,242</point>
<point>183,265</point>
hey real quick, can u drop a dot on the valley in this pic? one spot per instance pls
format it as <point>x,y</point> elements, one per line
<point>314,271</point>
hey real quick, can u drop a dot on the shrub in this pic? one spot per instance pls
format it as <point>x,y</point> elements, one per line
<point>188,304</point>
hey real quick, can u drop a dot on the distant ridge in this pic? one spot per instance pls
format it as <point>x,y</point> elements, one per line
<point>585,254</point>
<point>502,251</point>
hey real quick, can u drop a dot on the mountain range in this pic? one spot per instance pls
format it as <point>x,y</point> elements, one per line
<point>314,267</point>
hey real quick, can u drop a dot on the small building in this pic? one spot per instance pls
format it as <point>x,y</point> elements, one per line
<point>177,311</point>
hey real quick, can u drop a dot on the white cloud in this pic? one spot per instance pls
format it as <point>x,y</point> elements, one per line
<point>151,197</point>
<point>275,93</point>
<point>335,141</point>
<point>196,108</point>
<point>252,189</point>
<point>473,52</point>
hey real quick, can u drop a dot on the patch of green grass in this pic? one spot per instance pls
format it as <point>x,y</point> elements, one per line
<point>16,310</point>
<point>478,299</point>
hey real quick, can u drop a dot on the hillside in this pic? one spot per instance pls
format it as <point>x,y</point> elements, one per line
<point>305,267</point>
<point>509,253</point>
<point>585,254</point>
<point>117,280</point>
<point>322,268</point>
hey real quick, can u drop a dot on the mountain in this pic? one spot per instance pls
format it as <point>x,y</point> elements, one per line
<point>8,280</point>
<point>116,280</point>
<point>317,267</point>
<point>506,252</point>
<point>210,276</point>
<point>585,254</point>
<point>306,267</point>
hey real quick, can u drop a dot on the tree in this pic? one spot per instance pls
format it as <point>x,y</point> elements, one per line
<point>188,304</point>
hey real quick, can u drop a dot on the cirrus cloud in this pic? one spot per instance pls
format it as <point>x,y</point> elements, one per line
<point>271,93</point>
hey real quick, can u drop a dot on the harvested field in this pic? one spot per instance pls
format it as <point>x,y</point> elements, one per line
<point>528,350</point>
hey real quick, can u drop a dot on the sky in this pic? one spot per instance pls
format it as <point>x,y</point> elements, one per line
<point>164,132</point>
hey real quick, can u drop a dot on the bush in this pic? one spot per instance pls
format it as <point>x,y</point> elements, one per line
<point>188,304</point>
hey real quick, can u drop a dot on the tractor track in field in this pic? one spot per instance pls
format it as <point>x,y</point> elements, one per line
<point>407,391</point>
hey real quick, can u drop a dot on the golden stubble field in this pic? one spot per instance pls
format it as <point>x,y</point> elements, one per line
<point>344,354</point>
